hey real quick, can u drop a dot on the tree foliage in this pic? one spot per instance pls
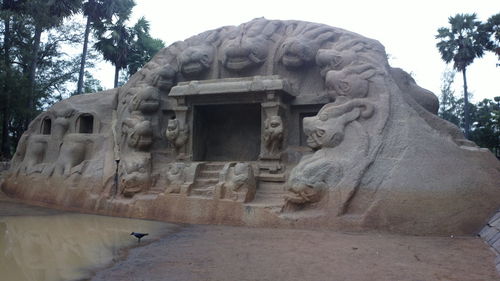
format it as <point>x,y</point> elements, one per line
<point>100,13</point>
<point>127,47</point>
<point>36,71</point>
<point>465,40</point>
<point>492,26</point>
<point>485,115</point>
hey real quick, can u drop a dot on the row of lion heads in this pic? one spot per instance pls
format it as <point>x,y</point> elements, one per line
<point>137,132</point>
<point>336,53</point>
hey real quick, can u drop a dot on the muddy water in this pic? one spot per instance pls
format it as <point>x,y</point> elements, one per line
<point>67,246</point>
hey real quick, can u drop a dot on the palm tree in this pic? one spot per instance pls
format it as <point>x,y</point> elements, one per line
<point>114,44</point>
<point>493,27</point>
<point>100,13</point>
<point>128,47</point>
<point>461,43</point>
<point>143,48</point>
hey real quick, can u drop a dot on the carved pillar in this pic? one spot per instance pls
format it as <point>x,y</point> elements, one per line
<point>272,136</point>
<point>273,129</point>
<point>181,139</point>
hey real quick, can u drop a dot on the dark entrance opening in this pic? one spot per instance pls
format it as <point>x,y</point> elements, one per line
<point>227,132</point>
<point>46,126</point>
<point>86,124</point>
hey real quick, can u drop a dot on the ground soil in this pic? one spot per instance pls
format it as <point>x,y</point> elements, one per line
<point>239,253</point>
<point>198,252</point>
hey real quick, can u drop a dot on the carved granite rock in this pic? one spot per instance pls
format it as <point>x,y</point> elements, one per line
<point>269,123</point>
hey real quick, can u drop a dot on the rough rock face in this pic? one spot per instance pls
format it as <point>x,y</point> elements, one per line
<point>270,123</point>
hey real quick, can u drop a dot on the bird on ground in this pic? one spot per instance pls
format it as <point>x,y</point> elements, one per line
<point>138,236</point>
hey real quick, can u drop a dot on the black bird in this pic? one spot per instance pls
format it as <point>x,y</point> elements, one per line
<point>138,235</point>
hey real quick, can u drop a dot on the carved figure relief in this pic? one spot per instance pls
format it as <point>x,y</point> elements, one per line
<point>196,60</point>
<point>322,171</point>
<point>273,135</point>
<point>176,177</point>
<point>368,148</point>
<point>72,154</point>
<point>135,174</point>
<point>165,78</point>
<point>350,82</point>
<point>146,100</point>
<point>238,183</point>
<point>332,59</point>
<point>35,155</point>
<point>176,134</point>
<point>250,48</point>
<point>61,123</point>
<point>138,130</point>
<point>300,50</point>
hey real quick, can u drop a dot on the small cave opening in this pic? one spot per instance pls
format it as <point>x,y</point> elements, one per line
<point>85,124</point>
<point>46,126</point>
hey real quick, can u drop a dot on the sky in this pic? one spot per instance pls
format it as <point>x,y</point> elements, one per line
<point>407,29</point>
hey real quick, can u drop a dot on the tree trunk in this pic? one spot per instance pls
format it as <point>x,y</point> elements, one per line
<point>117,72</point>
<point>30,104</point>
<point>466,107</point>
<point>84,58</point>
<point>5,149</point>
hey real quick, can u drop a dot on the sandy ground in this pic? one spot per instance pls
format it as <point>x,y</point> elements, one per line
<point>198,252</point>
<point>239,253</point>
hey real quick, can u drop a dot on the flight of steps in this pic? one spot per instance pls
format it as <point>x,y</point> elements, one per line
<point>206,179</point>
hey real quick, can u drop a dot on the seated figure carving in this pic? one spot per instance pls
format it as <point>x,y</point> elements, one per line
<point>176,177</point>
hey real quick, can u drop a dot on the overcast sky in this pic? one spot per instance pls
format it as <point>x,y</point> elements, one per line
<point>407,29</point>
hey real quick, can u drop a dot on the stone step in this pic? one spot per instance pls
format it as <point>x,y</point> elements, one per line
<point>272,177</point>
<point>204,183</point>
<point>271,187</point>
<point>212,166</point>
<point>208,174</point>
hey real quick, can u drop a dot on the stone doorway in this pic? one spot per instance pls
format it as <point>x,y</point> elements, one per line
<point>229,132</point>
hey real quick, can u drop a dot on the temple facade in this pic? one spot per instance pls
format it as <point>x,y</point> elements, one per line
<point>270,123</point>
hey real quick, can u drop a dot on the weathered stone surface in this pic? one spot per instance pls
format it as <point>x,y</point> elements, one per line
<point>270,123</point>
